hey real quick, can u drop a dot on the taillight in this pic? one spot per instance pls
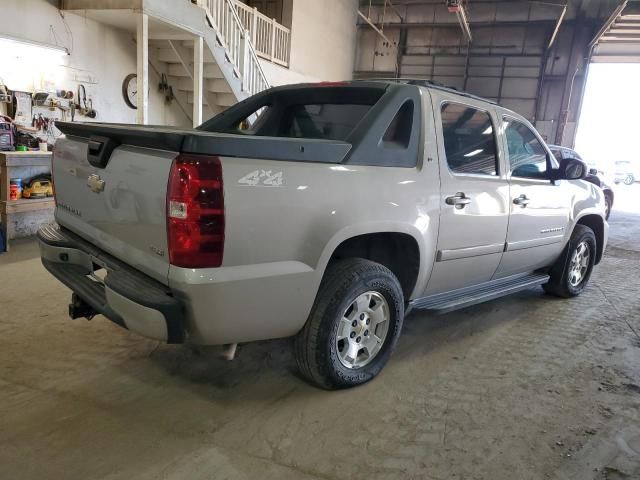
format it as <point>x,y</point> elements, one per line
<point>195,212</point>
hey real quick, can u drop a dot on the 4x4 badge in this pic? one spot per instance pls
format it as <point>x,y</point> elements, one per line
<point>95,183</point>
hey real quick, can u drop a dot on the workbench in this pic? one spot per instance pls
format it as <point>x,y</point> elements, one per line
<point>22,165</point>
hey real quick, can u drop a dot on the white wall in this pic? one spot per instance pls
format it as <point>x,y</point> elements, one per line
<point>101,57</point>
<point>323,38</point>
<point>278,75</point>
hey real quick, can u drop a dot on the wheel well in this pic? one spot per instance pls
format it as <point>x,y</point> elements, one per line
<point>398,252</point>
<point>595,223</point>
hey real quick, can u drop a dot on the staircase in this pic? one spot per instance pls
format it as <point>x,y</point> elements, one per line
<point>230,71</point>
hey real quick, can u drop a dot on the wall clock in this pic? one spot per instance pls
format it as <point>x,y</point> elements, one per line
<point>130,90</point>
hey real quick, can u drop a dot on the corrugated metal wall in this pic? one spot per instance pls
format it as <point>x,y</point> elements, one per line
<point>508,60</point>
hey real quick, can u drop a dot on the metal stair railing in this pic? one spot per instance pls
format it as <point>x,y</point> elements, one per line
<point>239,50</point>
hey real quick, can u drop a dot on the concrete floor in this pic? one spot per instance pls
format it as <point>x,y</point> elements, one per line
<point>526,387</point>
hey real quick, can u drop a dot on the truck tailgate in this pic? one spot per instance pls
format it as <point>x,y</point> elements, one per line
<point>120,208</point>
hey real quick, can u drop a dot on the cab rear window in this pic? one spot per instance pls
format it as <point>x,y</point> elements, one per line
<point>329,113</point>
<point>329,121</point>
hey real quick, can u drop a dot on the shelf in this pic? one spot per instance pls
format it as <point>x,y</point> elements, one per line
<point>26,205</point>
<point>25,159</point>
<point>34,153</point>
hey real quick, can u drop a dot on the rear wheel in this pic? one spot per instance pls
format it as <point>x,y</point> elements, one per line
<point>353,327</point>
<point>571,272</point>
<point>608,205</point>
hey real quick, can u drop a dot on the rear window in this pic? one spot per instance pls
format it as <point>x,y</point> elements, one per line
<point>328,121</point>
<point>314,112</point>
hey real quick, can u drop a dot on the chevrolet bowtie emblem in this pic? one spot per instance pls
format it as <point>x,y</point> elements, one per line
<point>95,183</point>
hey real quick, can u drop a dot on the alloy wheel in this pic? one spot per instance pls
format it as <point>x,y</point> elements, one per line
<point>579,264</point>
<point>362,330</point>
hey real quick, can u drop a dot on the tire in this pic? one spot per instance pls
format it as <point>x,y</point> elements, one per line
<point>629,180</point>
<point>323,358</point>
<point>609,205</point>
<point>564,277</point>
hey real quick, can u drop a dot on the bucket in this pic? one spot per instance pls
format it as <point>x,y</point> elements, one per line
<point>15,188</point>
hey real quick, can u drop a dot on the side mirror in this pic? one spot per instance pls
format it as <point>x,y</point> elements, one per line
<point>572,169</point>
<point>593,171</point>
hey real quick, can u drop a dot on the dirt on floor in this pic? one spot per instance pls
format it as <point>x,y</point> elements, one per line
<point>526,387</point>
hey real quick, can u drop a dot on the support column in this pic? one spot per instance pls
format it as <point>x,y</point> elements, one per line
<point>198,80</point>
<point>142,117</point>
<point>574,84</point>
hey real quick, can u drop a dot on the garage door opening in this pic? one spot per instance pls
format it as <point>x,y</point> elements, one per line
<point>607,136</point>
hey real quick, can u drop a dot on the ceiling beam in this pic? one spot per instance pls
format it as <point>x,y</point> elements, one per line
<point>477,24</point>
<point>629,40</point>
<point>616,13</point>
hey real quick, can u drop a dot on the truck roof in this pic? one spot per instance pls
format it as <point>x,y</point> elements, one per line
<point>427,84</point>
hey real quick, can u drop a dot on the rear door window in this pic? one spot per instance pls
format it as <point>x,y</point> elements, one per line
<point>469,140</point>
<point>527,155</point>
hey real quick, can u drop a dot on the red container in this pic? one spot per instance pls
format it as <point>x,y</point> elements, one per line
<point>15,188</point>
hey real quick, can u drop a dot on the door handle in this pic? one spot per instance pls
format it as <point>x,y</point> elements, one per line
<point>522,200</point>
<point>459,200</point>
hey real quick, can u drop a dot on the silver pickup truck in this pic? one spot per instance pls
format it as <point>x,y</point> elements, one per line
<point>322,212</point>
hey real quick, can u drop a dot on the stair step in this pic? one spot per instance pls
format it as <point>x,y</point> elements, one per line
<point>218,85</point>
<point>215,108</point>
<point>168,55</point>
<point>208,56</point>
<point>465,297</point>
<point>222,99</point>
<point>226,99</point>
<point>211,71</point>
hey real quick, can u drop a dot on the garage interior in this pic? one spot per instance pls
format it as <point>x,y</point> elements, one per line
<point>519,387</point>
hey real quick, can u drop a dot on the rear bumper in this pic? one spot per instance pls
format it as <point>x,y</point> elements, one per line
<point>126,296</point>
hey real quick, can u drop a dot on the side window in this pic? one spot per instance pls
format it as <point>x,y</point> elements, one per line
<point>527,156</point>
<point>469,140</point>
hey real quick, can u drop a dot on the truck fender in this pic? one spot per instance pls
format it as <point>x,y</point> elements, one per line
<point>426,251</point>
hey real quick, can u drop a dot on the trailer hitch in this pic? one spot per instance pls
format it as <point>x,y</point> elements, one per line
<point>78,308</point>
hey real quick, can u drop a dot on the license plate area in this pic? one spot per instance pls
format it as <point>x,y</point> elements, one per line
<point>100,271</point>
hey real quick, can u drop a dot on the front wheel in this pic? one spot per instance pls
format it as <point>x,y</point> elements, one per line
<point>608,201</point>
<point>353,327</point>
<point>571,272</point>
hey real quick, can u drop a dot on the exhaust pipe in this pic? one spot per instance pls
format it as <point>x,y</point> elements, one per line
<point>229,351</point>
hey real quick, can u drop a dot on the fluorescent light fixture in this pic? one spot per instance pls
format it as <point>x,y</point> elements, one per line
<point>406,182</point>
<point>21,45</point>
<point>474,153</point>
<point>488,131</point>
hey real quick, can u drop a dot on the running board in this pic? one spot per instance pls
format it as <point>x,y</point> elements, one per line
<point>464,297</point>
